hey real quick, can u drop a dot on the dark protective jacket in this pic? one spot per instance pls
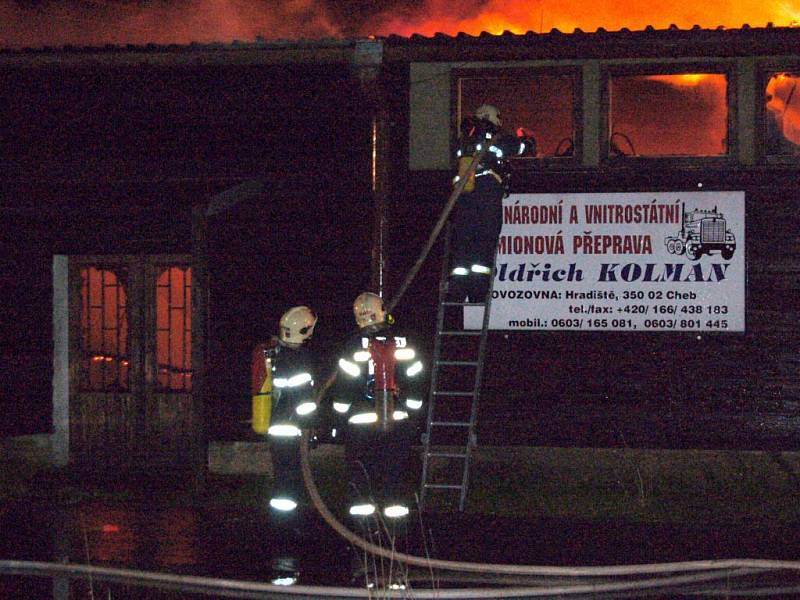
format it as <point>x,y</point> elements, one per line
<point>377,362</point>
<point>504,145</point>
<point>293,406</point>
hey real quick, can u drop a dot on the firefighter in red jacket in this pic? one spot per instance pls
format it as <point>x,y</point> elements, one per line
<point>379,391</point>
<point>478,215</point>
<point>284,403</point>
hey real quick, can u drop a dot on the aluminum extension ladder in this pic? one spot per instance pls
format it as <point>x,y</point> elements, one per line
<point>455,387</point>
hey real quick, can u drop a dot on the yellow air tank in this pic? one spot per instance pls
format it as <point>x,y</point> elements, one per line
<point>261,390</point>
<point>464,163</point>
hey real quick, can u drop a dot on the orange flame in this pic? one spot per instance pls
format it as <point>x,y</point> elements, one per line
<point>682,80</point>
<point>683,113</point>
<point>783,104</point>
<point>521,16</point>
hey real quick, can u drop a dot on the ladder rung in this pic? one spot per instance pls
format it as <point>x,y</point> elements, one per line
<point>461,332</point>
<point>448,303</point>
<point>458,363</point>
<point>451,423</point>
<point>443,486</point>
<point>447,454</point>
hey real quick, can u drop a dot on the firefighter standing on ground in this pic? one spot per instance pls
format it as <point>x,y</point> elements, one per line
<point>284,403</point>
<point>379,392</point>
<point>478,214</point>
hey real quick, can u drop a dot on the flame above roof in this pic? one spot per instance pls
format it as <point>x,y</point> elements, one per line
<point>218,23</point>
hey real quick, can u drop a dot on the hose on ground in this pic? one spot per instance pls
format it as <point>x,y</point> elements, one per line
<point>541,570</point>
<point>252,589</point>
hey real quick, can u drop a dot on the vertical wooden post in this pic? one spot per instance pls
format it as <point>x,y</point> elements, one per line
<point>367,62</point>
<point>200,283</point>
<point>61,357</point>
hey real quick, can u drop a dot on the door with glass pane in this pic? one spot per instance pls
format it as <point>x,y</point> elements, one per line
<point>169,419</point>
<point>130,362</point>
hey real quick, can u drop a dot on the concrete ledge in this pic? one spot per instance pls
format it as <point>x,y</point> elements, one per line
<point>592,484</point>
<point>32,449</point>
<point>589,484</point>
<point>686,486</point>
<point>232,458</point>
<point>252,458</point>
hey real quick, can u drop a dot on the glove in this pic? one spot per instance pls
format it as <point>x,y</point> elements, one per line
<point>527,141</point>
<point>313,438</point>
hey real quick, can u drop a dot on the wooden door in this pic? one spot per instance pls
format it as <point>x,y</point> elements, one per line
<point>130,362</point>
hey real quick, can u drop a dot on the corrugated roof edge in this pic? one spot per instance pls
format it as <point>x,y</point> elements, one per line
<point>578,32</point>
<point>258,44</point>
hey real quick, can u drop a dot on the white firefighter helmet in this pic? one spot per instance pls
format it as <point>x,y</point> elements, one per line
<point>297,325</point>
<point>490,113</point>
<point>368,310</point>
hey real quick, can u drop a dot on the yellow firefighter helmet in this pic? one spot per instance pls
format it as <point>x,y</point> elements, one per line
<point>490,113</point>
<point>297,325</point>
<point>368,310</point>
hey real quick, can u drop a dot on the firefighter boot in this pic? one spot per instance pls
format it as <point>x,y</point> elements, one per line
<point>457,286</point>
<point>478,287</point>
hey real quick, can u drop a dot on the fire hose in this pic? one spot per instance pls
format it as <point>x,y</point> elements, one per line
<point>437,229</point>
<point>508,569</point>
<point>216,587</point>
<point>434,235</point>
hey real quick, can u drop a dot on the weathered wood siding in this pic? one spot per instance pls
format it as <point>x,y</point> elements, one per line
<point>103,431</point>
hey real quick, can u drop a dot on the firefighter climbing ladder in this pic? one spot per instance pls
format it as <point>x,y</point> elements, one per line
<point>456,374</point>
<point>465,422</point>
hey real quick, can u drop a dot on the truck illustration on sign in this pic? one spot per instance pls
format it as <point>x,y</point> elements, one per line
<point>702,232</point>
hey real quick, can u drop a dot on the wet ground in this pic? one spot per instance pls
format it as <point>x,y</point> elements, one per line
<point>246,544</point>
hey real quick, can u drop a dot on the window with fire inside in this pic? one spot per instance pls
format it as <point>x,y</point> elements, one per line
<point>541,105</point>
<point>782,114</point>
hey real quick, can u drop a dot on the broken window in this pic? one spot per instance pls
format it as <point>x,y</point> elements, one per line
<point>540,104</point>
<point>174,329</point>
<point>782,114</point>
<point>682,114</point>
<point>104,362</point>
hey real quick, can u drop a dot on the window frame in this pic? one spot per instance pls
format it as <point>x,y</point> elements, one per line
<point>765,70</point>
<point>609,71</point>
<point>525,163</point>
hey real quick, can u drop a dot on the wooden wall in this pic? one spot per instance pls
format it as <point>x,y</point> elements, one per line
<point>668,390</point>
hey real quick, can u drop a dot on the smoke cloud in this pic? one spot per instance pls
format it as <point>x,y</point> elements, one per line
<point>178,22</point>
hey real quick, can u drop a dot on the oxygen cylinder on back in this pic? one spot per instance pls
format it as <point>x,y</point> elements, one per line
<point>261,389</point>
<point>383,358</point>
<point>464,163</point>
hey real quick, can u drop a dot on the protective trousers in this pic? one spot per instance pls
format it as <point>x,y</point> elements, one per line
<point>475,227</point>
<point>378,462</point>
<point>287,475</point>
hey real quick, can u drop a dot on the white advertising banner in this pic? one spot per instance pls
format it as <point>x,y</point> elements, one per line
<point>645,261</point>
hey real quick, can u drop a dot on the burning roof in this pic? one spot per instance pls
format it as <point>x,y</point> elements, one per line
<point>179,22</point>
